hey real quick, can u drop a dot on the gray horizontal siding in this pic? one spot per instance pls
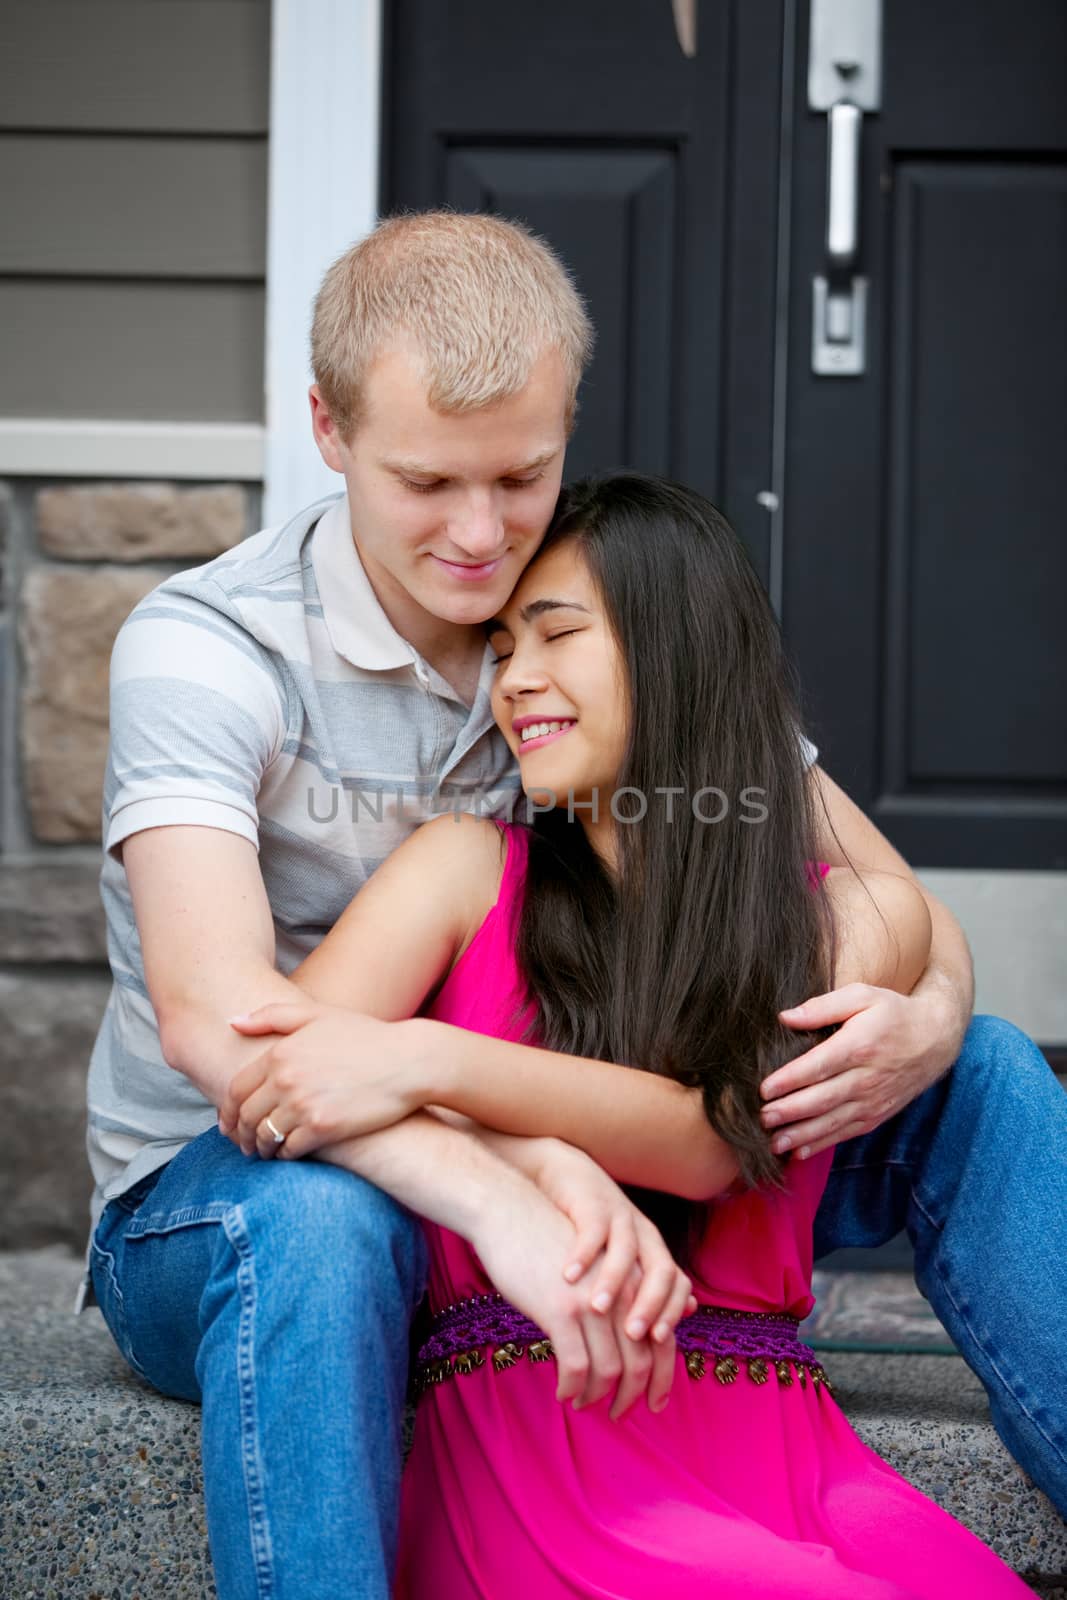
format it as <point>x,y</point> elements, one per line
<point>133,204</point>
<point>138,350</point>
<point>125,207</point>
<point>183,66</point>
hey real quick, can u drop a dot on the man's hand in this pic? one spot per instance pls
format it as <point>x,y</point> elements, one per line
<point>524,1243</point>
<point>888,1049</point>
<point>330,1075</point>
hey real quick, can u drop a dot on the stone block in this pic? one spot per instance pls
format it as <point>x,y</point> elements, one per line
<point>51,911</point>
<point>50,1022</point>
<point>139,521</point>
<point>100,1479</point>
<point>68,624</point>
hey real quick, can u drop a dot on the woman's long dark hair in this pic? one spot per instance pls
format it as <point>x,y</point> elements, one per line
<point>680,963</point>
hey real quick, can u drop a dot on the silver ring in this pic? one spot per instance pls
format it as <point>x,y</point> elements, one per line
<point>279,1138</point>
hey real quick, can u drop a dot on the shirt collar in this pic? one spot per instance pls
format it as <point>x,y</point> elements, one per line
<point>359,629</point>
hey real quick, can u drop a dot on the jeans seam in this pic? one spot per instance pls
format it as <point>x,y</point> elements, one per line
<point>125,1347</point>
<point>1006,1388</point>
<point>251,1458</point>
<point>867,1166</point>
<point>184,1217</point>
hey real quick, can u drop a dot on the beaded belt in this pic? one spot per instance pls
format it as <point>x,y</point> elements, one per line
<point>715,1336</point>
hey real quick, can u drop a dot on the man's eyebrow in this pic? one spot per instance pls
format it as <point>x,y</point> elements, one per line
<point>536,608</point>
<point>415,469</point>
<point>419,469</point>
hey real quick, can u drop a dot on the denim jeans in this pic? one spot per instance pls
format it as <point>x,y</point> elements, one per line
<point>279,1295</point>
<point>976,1170</point>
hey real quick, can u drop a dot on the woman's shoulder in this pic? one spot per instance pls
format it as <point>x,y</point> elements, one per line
<point>459,857</point>
<point>459,837</point>
<point>478,866</point>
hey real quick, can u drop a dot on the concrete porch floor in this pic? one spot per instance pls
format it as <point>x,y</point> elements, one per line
<point>100,1486</point>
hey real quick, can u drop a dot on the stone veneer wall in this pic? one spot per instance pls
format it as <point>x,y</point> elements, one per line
<point>74,561</point>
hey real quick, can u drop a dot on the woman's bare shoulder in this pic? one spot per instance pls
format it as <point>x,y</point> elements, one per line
<point>464,856</point>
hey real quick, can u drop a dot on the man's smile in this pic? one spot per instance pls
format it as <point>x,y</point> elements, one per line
<point>470,572</point>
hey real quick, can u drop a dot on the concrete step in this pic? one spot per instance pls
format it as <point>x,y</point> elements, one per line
<point>100,1488</point>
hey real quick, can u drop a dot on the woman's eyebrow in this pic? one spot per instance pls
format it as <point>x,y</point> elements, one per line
<point>536,608</point>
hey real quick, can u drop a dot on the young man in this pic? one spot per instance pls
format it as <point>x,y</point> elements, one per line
<point>281,719</point>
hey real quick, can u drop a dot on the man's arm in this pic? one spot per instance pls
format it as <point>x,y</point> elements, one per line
<point>847,836</point>
<point>207,938</point>
<point>888,1048</point>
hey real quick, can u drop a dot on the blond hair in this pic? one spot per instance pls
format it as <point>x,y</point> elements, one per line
<point>480,299</point>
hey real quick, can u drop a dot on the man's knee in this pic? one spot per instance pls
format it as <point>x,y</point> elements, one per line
<point>992,1041</point>
<point>996,1059</point>
<point>333,1223</point>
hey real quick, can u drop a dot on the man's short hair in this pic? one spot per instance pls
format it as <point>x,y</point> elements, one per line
<point>480,299</point>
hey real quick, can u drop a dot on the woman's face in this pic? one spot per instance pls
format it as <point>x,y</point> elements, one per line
<point>559,696</point>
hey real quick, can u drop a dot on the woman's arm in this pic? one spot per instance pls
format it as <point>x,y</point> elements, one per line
<point>395,943</point>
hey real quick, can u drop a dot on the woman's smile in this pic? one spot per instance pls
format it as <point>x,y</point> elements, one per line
<point>534,732</point>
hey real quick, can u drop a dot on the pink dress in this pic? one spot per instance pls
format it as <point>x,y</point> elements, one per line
<point>747,1488</point>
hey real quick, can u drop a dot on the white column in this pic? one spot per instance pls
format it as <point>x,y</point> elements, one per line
<point>323,196</point>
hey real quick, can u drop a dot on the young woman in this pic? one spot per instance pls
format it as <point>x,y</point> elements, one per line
<point>660,910</point>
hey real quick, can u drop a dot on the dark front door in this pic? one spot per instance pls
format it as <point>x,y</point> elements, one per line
<point>922,526</point>
<point>906,520</point>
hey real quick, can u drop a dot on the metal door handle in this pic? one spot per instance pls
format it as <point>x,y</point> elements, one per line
<point>843,189</point>
<point>844,80</point>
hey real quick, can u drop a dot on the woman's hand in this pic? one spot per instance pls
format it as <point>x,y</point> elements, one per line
<point>888,1048</point>
<point>329,1075</point>
<point>611,1232</point>
<point>524,1243</point>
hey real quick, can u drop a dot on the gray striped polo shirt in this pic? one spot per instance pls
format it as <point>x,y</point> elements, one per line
<point>266,693</point>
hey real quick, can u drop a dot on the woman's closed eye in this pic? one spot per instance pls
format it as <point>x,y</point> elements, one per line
<point>550,638</point>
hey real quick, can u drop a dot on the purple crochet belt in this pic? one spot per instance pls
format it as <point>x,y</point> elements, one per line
<point>717,1336</point>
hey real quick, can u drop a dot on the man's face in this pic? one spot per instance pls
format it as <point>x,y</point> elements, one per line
<point>448,509</point>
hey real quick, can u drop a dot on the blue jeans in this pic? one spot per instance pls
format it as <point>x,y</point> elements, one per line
<point>976,1170</point>
<point>280,1293</point>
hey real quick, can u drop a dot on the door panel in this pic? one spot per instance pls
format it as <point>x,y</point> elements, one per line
<point>616,209</point>
<point>924,554</point>
<point>974,469</point>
